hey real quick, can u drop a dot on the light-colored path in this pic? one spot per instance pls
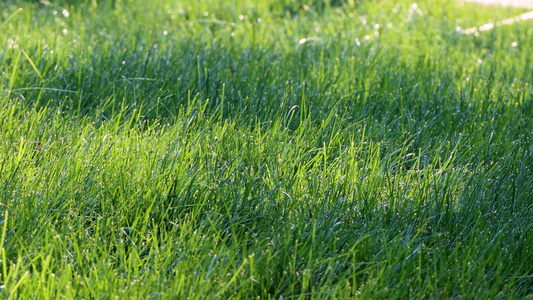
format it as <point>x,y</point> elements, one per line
<point>515,3</point>
<point>490,26</point>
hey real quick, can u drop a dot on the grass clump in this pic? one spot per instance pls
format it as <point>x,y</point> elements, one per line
<point>279,149</point>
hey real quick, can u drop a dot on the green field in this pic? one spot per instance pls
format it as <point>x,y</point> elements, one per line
<point>267,149</point>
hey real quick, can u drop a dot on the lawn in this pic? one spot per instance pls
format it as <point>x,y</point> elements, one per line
<point>265,149</point>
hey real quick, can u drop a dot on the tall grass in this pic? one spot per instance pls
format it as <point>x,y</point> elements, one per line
<point>279,149</point>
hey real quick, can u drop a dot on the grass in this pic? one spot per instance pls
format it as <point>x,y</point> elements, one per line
<point>278,149</point>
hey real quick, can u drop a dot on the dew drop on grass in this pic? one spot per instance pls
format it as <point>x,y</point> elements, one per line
<point>12,44</point>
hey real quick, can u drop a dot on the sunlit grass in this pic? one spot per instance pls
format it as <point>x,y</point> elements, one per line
<point>229,149</point>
